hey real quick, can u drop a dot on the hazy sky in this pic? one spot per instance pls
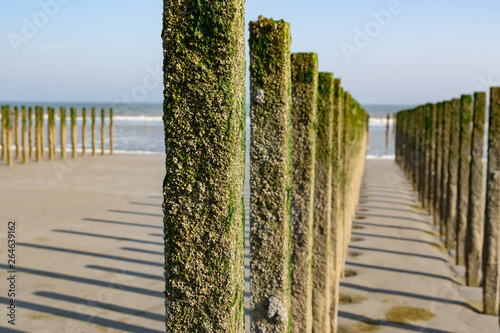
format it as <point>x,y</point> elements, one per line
<point>390,51</point>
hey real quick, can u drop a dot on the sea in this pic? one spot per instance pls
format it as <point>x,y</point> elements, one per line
<point>138,127</point>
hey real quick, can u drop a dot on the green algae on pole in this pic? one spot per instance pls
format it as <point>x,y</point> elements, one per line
<point>463,176</point>
<point>63,134</point>
<point>492,211</point>
<point>474,233</point>
<point>30,132</point>
<point>103,132</point>
<point>438,163</point>
<point>16,131</point>
<point>270,175</point>
<point>93,131</point>
<point>304,95</point>
<point>204,121</point>
<point>432,157</point>
<point>336,226</point>
<point>73,133</point>
<point>452,186</point>
<point>110,131</point>
<point>447,114</point>
<point>84,132</point>
<point>25,135</point>
<point>323,256</point>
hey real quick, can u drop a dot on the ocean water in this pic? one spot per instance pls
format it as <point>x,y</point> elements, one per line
<point>138,128</point>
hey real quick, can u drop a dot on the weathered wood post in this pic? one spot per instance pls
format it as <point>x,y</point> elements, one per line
<point>447,115</point>
<point>49,133</point>
<point>63,133</point>
<point>304,94</point>
<point>323,256</point>
<point>432,157</point>
<point>53,132</point>
<point>73,133</point>
<point>38,153</point>
<point>30,132</point>
<point>474,234</point>
<point>103,132</point>
<point>84,132</point>
<point>93,131</point>
<point>3,134</point>
<point>346,151</point>
<point>25,135</point>
<point>42,135</point>
<point>8,125</point>
<point>110,131</point>
<point>16,131</point>
<point>270,175</point>
<point>337,235</point>
<point>452,189</point>
<point>438,165</point>
<point>463,175</point>
<point>427,155</point>
<point>387,129</point>
<point>492,211</point>
<point>204,119</point>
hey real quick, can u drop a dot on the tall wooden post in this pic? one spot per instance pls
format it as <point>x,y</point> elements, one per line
<point>204,119</point>
<point>304,95</point>
<point>103,132</point>
<point>73,133</point>
<point>447,115</point>
<point>438,165</point>
<point>42,135</point>
<point>492,211</point>
<point>463,175</point>
<point>30,132</point>
<point>452,189</point>
<point>4,133</point>
<point>387,134</point>
<point>63,133</point>
<point>110,131</point>
<point>474,234</point>
<point>8,125</point>
<point>25,135</point>
<point>93,131</point>
<point>432,158</point>
<point>49,133</point>
<point>16,131</point>
<point>323,256</point>
<point>84,132</point>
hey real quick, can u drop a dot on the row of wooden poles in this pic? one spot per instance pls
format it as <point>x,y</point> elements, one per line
<point>307,150</point>
<point>440,147</point>
<point>25,131</point>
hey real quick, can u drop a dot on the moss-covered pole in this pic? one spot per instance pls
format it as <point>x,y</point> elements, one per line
<point>110,131</point>
<point>452,186</point>
<point>204,120</point>
<point>323,257</point>
<point>30,132</point>
<point>63,134</point>
<point>346,151</point>
<point>438,165</point>
<point>492,211</point>
<point>336,234</point>
<point>304,94</point>
<point>432,157</point>
<point>25,135</point>
<point>93,132</point>
<point>49,133</point>
<point>84,132</point>
<point>73,133</point>
<point>270,175</point>
<point>427,155</point>
<point>474,234</point>
<point>387,129</point>
<point>463,175</point>
<point>103,132</point>
<point>8,125</point>
<point>38,153</point>
<point>447,115</point>
<point>17,138</point>
<point>53,132</point>
<point>42,135</point>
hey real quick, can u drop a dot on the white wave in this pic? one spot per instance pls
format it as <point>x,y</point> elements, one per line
<point>383,157</point>
<point>381,121</point>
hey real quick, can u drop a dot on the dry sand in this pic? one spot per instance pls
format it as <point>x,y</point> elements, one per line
<point>406,281</point>
<point>90,252</point>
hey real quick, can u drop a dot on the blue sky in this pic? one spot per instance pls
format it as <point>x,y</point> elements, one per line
<point>386,52</point>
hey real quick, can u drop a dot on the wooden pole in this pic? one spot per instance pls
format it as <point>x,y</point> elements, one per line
<point>84,132</point>
<point>447,115</point>
<point>438,165</point>
<point>474,234</point>
<point>49,133</point>
<point>30,132</point>
<point>203,188</point>
<point>463,175</point>
<point>492,211</point>
<point>10,157</point>
<point>110,131</point>
<point>63,133</point>
<point>93,131</point>
<point>432,157</point>
<point>452,186</point>
<point>25,135</point>
<point>323,256</point>
<point>4,132</point>
<point>387,134</point>
<point>16,132</point>
<point>73,133</point>
<point>103,132</point>
<point>304,94</point>
<point>42,136</point>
